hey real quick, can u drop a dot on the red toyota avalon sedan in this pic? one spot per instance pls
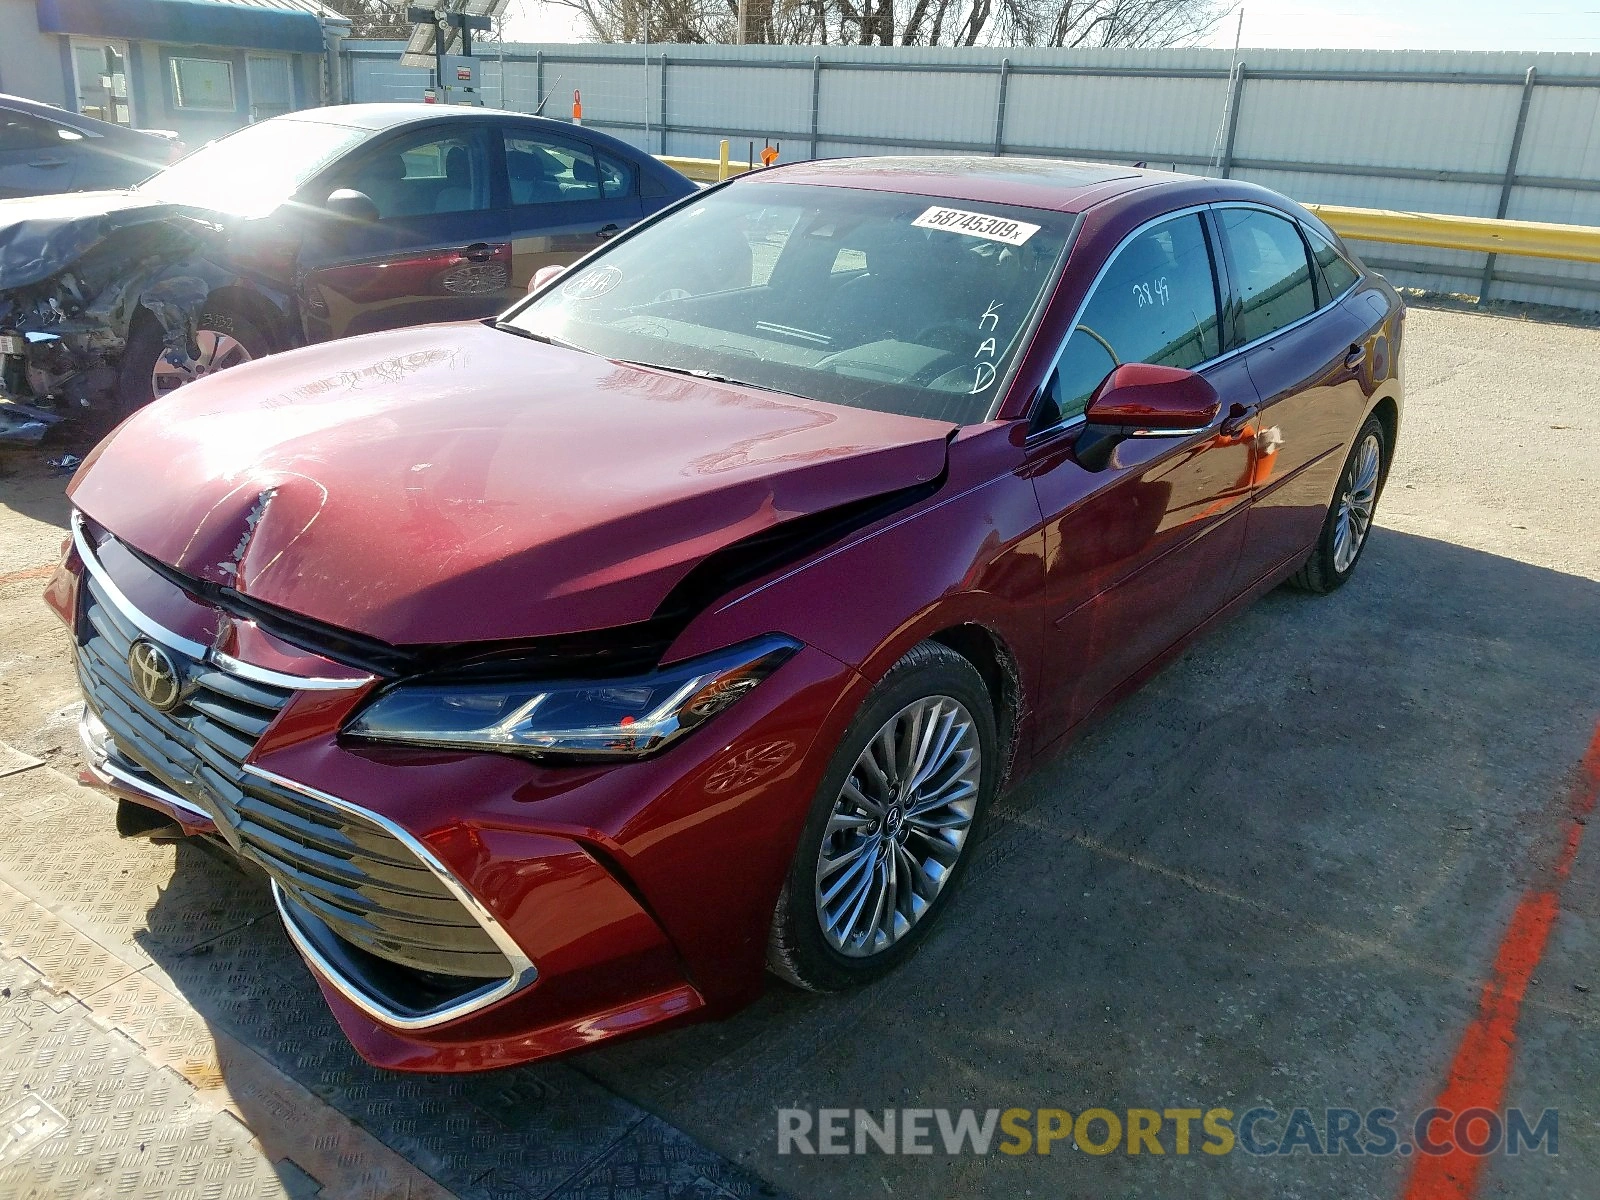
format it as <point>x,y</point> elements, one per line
<point>564,671</point>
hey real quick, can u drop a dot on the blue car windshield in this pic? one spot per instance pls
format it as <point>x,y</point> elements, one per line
<point>909,304</point>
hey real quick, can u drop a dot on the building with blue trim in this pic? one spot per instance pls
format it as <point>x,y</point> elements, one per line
<point>199,67</point>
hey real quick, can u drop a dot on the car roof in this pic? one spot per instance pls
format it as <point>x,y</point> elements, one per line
<point>391,116</point>
<point>1059,184</point>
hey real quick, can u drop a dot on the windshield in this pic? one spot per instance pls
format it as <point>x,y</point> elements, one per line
<point>253,171</point>
<point>899,303</point>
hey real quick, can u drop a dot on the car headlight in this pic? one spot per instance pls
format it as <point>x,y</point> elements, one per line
<point>580,718</point>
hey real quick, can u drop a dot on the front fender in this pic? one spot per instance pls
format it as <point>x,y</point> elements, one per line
<point>971,554</point>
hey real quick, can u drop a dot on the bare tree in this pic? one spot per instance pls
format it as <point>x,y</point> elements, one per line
<point>1068,23</point>
<point>374,18</point>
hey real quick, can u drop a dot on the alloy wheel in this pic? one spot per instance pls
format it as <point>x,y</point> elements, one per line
<point>218,352</point>
<point>1356,503</point>
<point>898,826</point>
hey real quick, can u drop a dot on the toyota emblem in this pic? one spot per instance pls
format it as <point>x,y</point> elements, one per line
<point>155,676</point>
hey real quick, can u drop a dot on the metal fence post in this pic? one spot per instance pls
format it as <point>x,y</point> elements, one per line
<point>1234,99</point>
<point>1000,107</point>
<point>538,79</point>
<point>816,100</point>
<point>1529,81</point>
<point>662,111</point>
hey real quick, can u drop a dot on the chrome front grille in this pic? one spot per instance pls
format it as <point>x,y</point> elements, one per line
<point>358,894</point>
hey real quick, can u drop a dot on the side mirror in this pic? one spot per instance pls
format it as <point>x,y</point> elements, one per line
<point>1143,400</point>
<point>543,276</point>
<point>351,205</point>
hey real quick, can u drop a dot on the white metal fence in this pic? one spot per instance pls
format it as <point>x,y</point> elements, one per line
<point>1481,134</point>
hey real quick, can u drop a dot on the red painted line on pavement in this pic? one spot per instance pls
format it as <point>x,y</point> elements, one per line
<point>31,573</point>
<point>1482,1065</point>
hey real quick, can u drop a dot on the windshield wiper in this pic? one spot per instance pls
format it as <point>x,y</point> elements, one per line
<point>547,339</point>
<point>711,376</point>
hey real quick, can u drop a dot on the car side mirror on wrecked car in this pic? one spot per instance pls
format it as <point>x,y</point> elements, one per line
<point>351,205</point>
<point>1143,400</point>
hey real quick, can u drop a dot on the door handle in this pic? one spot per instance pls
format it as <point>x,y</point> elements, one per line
<point>1239,418</point>
<point>1356,356</point>
<point>48,162</point>
<point>610,230</point>
<point>478,252</point>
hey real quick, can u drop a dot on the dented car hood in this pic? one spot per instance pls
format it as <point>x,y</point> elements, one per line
<point>42,235</point>
<point>458,483</point>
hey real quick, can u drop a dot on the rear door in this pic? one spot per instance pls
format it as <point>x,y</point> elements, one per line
<point>35,158</point>
<point>566,198</point>
<point>440,249</point>
<point>1141,550</point>
<point>1305,352</point>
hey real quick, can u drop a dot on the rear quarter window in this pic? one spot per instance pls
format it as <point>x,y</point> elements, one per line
<point>1336,275</point>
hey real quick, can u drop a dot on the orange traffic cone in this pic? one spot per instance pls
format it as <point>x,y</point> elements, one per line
<point>577,107</point>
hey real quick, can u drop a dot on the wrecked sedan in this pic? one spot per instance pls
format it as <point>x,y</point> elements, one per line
<point>563,671</point>
<point>310,226</point>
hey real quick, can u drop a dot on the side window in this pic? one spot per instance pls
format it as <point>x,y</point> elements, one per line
<point>616,177</point>
<point>1156,303</point>
<point>1272,271</point>
<point>1335,274</point>
<point>19,132</point>
<point>546,171</point>
<point>427,174</point>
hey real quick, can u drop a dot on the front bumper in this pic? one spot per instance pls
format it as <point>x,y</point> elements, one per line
<point>473,910</point>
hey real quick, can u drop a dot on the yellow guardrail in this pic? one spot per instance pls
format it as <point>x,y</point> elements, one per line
<point>1533,239</point>
<point>705,170</point>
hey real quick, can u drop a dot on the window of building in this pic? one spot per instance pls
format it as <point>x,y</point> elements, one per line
<point>271,85</point>
<point>101,79</point>
<point>203,84</point>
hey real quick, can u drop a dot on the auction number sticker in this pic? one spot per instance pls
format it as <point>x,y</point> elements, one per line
<point>994,229</point>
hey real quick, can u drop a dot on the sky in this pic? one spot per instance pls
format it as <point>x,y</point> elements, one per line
<point>1376,24</point>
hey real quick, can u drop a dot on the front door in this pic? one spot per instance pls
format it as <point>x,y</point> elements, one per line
<point>100,71</point>
<point>1141,550</point>
<point>567,198</point>
<point>439,251</point>
<point>1305,354</point>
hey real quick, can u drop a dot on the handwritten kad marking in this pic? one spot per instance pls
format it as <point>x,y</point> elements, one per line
<point>987,349</point>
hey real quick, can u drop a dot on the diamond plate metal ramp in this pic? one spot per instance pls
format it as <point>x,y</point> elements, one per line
<point>163,1038</point>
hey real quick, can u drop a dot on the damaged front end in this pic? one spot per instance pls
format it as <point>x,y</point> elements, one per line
<point>70,287</point>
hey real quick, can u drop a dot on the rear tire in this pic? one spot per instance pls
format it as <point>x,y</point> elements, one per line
<point>237,339</point>
<point>1348,525</point>
<point>899,837</point>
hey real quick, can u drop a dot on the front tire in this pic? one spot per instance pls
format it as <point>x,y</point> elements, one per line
<point>223,339</point>
<point>1349,520</point>
<point>892,827</point>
